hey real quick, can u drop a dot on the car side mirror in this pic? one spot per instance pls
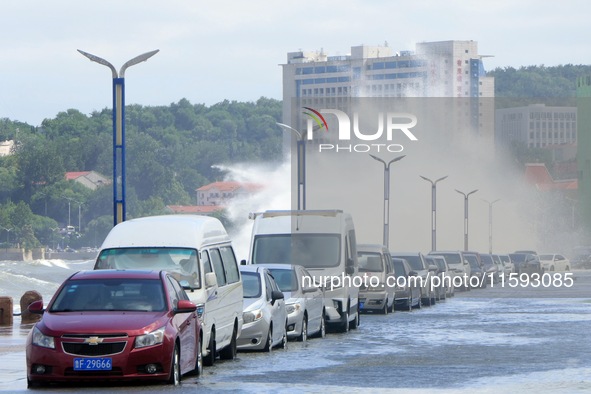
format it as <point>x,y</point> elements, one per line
<point>185,306</point>
<point>350,268</point>
<point>242,262</point>
<point>36,307</point>
<point>210,279</point>
<point>412,273</point>
<point>276,295</point>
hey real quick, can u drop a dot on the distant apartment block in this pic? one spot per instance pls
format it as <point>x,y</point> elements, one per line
<point>220,193</point>
<point>435,69</point>
<point>536,126</point>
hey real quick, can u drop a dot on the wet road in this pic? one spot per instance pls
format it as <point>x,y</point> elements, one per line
<point>488,340</point>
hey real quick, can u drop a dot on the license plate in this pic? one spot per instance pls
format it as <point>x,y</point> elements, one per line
<point>93,364</point>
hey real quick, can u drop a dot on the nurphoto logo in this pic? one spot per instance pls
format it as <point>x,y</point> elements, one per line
<point>389,124</point>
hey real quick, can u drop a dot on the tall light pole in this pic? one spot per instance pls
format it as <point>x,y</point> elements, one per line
<point>466,195</point>
<point>490,204</point>
<point>79,214</point>
<point>69,211</point>
<point>387,195</point>
<point>433,210</point>
<point>301,163</point>
<point>119,202</point>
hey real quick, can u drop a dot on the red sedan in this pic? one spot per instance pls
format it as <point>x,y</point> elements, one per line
<point>115,325</point>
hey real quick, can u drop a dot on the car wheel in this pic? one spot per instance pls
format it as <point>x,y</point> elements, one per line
<point>355,323</point>
<point>384,310</point>
<point>283,344</point>
<point>304,335</point>
<point>229,352</point>
<point>199,362</point>
<point>345,325</point>
<point>322,332</point>
<point>409,303</point>
<point>210,358</point>
<point>269,344</point>
<point>175,368</point>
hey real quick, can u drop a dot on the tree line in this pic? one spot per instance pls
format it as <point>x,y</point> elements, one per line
<point>170,151</point>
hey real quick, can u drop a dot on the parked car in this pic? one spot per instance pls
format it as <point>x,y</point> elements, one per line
<point>446,275</point>
<point>526,263</point>
<point>476,269</point>
<point>193,248</point>
<point>419,265</point>
<point>508,264</point>
<point>304,302</point>
<point>500,266</point>
<point>438,285</point>
<point>458,264</point>
<point>375,266</point>
<point>115,325</point>
<point>491,270</point>
<point>554,262</point>
<point>264,313</point>
<point>408,289</point>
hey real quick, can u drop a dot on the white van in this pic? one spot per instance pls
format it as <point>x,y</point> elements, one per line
<point>322,241</point>
<point>198,252</point>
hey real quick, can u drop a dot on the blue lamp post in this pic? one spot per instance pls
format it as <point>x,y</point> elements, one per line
<point>119,203</point>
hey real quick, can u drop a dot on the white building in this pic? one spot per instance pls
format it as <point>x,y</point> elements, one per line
<point>444,69</point>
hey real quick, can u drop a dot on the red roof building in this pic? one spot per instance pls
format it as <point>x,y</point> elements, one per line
<point>537,174</point>
<point>219,193</point>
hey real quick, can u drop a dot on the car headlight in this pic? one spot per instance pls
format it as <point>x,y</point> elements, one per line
<point>42,340</point>
<point>200,310</point>
<point>150,339</point>
<point>249,317</point>
<point>291,308</point>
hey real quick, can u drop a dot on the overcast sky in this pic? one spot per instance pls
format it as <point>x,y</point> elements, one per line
<point>211,51</point>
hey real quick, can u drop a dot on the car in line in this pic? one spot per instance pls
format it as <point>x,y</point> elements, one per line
<point>446,275</point>
<point>526,263</point>
<point>507,263</point>
<point>458,264</point>
<point>419,265</point>
<point>376,293</point>
<point>304,301</point>
<point>439,285</point>
<point>554,262</point>
<point>407,294</point>
<point>476,270</point>
<point>115,325</point>
<point>264,313</point>
<point>491,270</point>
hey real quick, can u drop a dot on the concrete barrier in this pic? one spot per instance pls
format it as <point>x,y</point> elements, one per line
<point>6,310</point>
<point>27,299</point>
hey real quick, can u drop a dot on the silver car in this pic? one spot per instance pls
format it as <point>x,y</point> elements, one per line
<point>376,293</point>
<point>304,302</point>
<point>264,315</point>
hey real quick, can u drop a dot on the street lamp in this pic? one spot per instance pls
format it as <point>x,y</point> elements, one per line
<point>119,202</point>
<point>466,215</point>
<point>387,194</point>
<point>79,214</point>
<point>490,204</point>
<point>301,163</point>
<point>69,211</point>
<point>433,210</point>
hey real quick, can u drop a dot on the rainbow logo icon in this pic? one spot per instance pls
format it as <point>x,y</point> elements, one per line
<point>317,116</point>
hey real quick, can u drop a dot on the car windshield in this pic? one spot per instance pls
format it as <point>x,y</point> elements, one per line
<point>370,262</point>
<point>546,257</point>
<point>505,258</point>
<point>286,279</point>
<point>415,261</point>
<point>143,295</point>
<point>251,283</point>
<point>399,268</point>
<point>450,258</point>
<point>308,250</point>
<point>518,257</point>
<point>486,259</point>
<point>180,262</point>
<point>473,260</point>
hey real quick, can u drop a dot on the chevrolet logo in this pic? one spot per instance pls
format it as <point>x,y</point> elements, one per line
<point>93,340</point>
